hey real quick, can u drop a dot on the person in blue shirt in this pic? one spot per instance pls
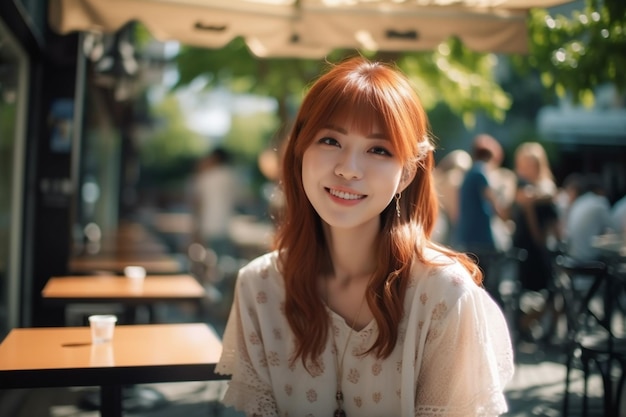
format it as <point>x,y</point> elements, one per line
<point>478,204</point>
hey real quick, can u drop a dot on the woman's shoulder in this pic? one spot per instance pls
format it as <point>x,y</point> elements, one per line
<point>263,266</point>
<point>259,283</point>
<point>439,285</point>
<point>261,261</point>
<point>442,273</point>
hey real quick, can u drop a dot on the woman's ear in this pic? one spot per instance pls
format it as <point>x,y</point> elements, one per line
<point>408,174</point>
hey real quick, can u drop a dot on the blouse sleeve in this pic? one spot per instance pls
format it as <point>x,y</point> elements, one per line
<point>467,360</point>
<point>243,357</point>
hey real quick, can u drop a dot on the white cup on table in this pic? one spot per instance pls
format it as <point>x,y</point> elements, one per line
<point>102,328</point>
<point>136,274</point>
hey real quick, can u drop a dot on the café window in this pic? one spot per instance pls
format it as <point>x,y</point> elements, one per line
<point>13,82</point>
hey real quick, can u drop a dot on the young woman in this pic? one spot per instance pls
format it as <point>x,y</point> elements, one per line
<point>357,312</point>
<point>535,214</point>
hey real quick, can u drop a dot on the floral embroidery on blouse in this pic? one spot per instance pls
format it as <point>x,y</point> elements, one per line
<point>376,368</point>
<point>377,396</point>
<point>254,338</point>
<point>311,395</point>
<point>353,376</point>
<point>317,368</point>
<point>273,358</point>
<point>265,272</point>
<point>439,311</point>
<point>278,334</point>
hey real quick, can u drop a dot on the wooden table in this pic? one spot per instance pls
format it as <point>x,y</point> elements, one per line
<point>108,288</point>
<point>159,264</point>
<point>64,357</point>
<point>119,289</point>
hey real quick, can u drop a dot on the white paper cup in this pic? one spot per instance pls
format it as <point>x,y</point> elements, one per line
<point>136,276</point>
<point>135,272</point>
<point>102,327</point>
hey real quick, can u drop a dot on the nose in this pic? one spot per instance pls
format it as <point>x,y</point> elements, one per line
<point>349,166</point>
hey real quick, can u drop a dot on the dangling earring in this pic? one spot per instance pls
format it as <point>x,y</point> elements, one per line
<point>398,195</point>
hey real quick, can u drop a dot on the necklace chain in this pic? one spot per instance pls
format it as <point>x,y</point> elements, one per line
<point>339,412</point>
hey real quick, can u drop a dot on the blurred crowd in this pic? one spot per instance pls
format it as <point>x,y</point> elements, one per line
<point>492,212</point>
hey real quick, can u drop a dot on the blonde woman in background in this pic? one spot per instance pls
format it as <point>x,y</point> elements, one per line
<point>532,166</point>
<point>536,224</point>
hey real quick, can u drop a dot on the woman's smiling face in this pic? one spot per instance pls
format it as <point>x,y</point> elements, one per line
<point>349,176</point>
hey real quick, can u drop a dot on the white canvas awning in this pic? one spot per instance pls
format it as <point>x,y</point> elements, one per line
<point>311,28</point>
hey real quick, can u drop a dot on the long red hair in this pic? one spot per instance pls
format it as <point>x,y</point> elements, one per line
<point>365,92</point>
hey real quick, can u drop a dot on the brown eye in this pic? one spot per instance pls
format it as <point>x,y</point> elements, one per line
<point>379,150</point>
<point>328,141</point>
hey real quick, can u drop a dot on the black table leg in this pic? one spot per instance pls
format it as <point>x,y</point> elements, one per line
<point>111,401</point>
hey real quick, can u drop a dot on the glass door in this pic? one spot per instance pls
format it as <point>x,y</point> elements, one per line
<point>13,86</point>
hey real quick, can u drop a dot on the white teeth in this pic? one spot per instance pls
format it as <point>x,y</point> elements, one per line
<point>344,195</point>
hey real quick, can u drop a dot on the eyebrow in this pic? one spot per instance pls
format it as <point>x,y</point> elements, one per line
<point>345,132</point>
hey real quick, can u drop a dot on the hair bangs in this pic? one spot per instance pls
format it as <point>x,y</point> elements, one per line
<point>365,110</point>
<point>360,97</point>
<point>358,115</point>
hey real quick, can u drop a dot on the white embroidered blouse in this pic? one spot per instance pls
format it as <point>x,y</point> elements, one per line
<point>453,356</point>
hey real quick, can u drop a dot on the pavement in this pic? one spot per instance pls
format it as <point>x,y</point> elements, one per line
<point>538,385</point>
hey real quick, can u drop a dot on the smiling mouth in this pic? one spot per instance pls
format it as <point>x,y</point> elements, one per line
<point>345,195</point>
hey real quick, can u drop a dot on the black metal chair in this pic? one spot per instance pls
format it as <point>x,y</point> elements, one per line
<point>591,337</point>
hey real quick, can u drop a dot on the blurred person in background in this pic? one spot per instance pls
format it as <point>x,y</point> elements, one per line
<point>217,192</point>
<point>589,216</point>
<point>478,205</point>
<point>536,221</point>
<point>535,214</point>
<point>478,202</point>
<point>618,216</point>
<point>448,175</point>
<point>503,181</point>
<point>571,188</point>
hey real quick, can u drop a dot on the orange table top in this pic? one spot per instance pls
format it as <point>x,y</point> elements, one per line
<point>107,288</point>
<point>65,356</point>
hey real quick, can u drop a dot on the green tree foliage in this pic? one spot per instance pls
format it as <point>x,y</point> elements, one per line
<point>250,135</point>
<point>577,52</point>
<point>169,151</point>
<point>462,78</point>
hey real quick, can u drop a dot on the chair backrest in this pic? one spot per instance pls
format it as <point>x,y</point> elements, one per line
<point>579,283</point>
